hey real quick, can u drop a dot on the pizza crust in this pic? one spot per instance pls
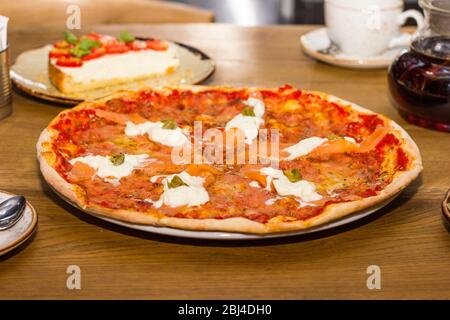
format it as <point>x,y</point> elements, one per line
<point>75,195</point>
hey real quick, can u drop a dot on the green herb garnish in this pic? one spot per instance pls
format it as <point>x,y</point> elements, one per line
<point>117,159</point>
<point>169,124</point>
<point>176,182</point>
<point>333,136</point>
<point>84,47</point>
<point>293,175</point>
<point>70,37</point>
<point>248,112</point>
<point>88,44</point>
<point>125,36</point>
<point>77,52</point>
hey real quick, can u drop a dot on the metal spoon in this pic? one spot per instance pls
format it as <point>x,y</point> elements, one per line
<point>11,211</point>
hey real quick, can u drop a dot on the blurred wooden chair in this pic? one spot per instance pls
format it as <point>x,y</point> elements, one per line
<point>53,13</point>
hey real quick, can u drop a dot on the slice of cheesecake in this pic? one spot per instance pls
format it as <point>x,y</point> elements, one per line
<point>95,61</point>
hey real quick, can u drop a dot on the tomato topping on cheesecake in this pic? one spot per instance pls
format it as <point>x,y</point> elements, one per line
<point>93,45</point>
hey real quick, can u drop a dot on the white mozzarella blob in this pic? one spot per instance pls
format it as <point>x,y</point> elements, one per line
<point>304,190</point>
<point>304,147</point>
<point>155,132</point>
<point>257,105</point>
<point>109,172</point>
<point>249,125</point>
<point>194,194</point>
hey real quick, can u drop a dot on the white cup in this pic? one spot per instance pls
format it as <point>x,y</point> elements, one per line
<point>367,28</point>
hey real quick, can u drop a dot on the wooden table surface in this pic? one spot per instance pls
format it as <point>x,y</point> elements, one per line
<point>408,239</point>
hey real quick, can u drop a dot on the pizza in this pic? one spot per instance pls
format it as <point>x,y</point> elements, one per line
<point>92,61</point>
<point>266,160</point>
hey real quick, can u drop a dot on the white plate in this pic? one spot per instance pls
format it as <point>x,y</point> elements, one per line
<point>21,231</point>
<point>217,235</point>
<point>316,43</point>
<point>30,74</point>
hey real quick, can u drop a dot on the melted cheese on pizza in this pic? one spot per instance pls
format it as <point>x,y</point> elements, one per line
<point>249,124</point>
<point>304,190</point>
<point>191,193</point>
<point>304,147</point>
<point>107,170</point>
<point>156,132</point>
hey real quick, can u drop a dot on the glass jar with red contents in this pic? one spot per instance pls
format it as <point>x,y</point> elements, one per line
<point>419,78</point>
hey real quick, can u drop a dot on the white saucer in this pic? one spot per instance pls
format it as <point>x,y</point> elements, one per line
<point>316,43</point>
<point>21,231</point>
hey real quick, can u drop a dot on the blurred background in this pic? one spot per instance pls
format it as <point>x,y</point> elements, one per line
<point>259,12</point>
<point>53,13</point>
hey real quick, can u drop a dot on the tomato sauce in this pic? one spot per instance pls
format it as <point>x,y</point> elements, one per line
<point>74,51</point>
